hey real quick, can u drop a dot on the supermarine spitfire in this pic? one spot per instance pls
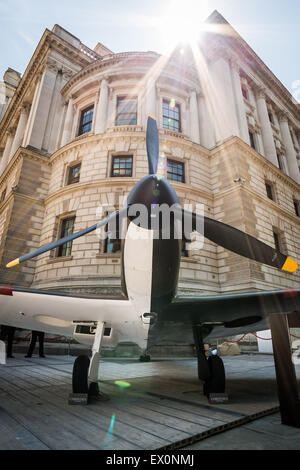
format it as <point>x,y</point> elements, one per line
<point>150,269</point>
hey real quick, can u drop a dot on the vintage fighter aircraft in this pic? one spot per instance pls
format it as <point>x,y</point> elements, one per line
<point>150,307</point>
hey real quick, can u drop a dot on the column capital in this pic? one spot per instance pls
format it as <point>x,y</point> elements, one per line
<point>51,65</point>
<point>66,73</point>
<point>10,131</point>
<point>283,116</point>
<point>25,107</point>
<point>195,91</point>
<point>234,64</point>
<point>261,92</point>
<point>220,51</point>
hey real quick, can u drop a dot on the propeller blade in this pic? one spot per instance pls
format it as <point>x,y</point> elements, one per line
<point>67,239</point>
<point>243,244</point>
<point>152,142</point>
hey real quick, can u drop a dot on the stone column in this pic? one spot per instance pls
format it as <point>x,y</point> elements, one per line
<point>42,109</point>
<point>6,153</point>
<point>223,99</point>
<point>18,139</point>
<point>66,136</point>
<point>239,100</point>
<point>266,128</point>
<point>194,118</point>
<point>53,116</point>
<point>150,99</point>
<point>289,147</point>
<point>101,116</point>
<point>32,112</point>
<point>207,136</point>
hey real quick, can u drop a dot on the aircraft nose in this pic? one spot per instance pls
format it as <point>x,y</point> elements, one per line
<point>153,190</point>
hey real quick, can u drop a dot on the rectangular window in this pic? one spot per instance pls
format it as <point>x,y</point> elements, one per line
<point>112,241</point>
<point>270,191</point>
<point>175,171</point>
<point>252,140</point>
<point>171,116</point>
<point>271,117</point>
<point>86,120</point>
<point>74,174</point>
<point>245,93</point>
<point>2,197</point>
<point>67,228</point>
<point>277,241</point>
<point>296,206</point>
<point>122,166</point>
<point>279,162</point>
<point>126,111</point>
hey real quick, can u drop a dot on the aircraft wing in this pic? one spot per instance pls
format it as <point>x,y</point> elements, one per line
<point>56,312</point>
<point>235,310</point>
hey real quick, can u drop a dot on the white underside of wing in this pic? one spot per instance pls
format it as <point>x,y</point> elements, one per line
<point>55,314</point>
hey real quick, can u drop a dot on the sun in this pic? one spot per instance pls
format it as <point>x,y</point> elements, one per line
<point>182,21</point>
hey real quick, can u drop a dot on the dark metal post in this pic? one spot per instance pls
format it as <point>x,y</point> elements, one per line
<point>203,368</point>
<point>285,371</point>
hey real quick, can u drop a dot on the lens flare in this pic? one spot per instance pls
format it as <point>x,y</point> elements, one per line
<point>172,103</point>
<point>111,427</point>
<point>122,385</point>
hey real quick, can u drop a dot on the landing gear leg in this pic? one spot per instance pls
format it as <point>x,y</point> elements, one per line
<point>93,374</point>
<point>211,370</point>
<point>85,371</point>
<point>203,368</point>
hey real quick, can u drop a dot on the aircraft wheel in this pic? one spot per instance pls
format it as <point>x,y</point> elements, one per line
<point>80,375</point>
<point>216,381</point>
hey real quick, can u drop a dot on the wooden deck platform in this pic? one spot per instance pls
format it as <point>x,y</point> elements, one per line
<point>163,408</point>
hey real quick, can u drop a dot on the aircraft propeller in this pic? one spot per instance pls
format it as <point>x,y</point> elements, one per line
<point>222,234</point>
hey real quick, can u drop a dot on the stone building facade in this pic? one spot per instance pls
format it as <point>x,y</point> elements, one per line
<point>72,139</point>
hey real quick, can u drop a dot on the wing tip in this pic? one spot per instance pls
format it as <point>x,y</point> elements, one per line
<point>289,266</point>
<point>13,263</point>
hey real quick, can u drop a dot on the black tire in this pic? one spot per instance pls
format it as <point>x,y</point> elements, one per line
<point>216,382</point>
<point>94,389</point>
<point>145,358</point>
<point>80,375</point>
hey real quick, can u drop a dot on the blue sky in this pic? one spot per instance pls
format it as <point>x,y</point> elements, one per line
<point>271,27</point>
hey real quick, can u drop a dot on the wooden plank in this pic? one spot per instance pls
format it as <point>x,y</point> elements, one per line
<point>14,436</point>
<point>54,428</point>
<point>144,433</point>
<point>100,415</point>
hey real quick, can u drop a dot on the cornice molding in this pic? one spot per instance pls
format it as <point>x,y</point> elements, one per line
<point>82,141</point>
<point>264,163</point>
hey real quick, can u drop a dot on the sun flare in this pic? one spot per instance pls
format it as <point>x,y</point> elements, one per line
<point>183,22</point>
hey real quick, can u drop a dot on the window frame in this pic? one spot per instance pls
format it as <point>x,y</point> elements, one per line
<point>277,241</point>
<point>3,195</point>
<point>271,117</point>
<point>69,245</point>
<point>272,190</point>
<point>183,170</point>
<point>253,142</point>
<point>82,124</point>
<point>108,240</point>
<point>245,93</point>
<point>69,169</point>
<point>128,98</point>
<point>179,120</point>
<point>125,156</point>
<point>296,207</point>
